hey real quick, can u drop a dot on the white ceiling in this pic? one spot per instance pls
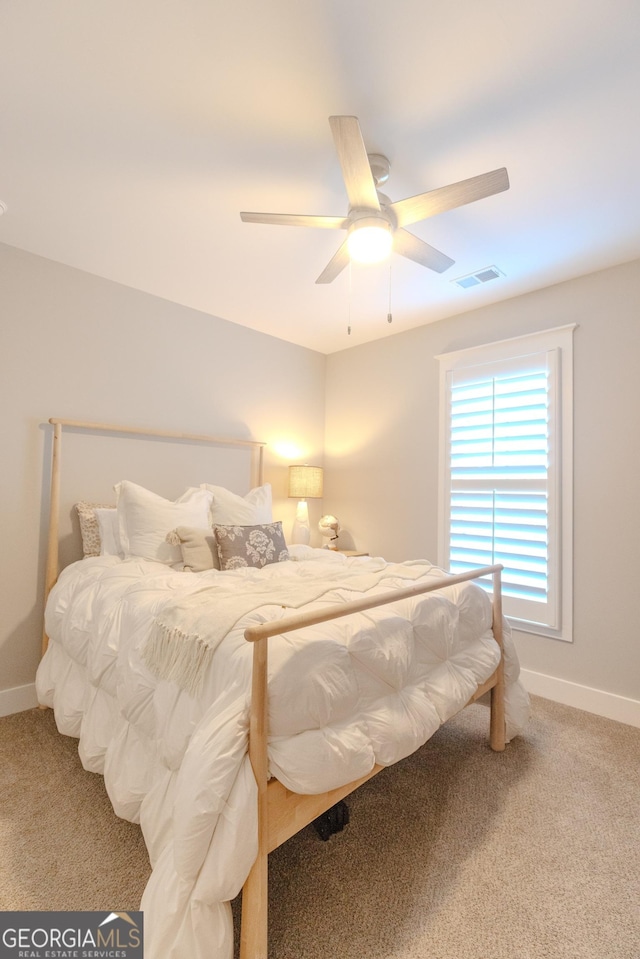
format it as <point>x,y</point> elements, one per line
<point>132,135</point>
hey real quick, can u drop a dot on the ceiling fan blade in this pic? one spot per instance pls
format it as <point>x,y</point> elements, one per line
<point>406,244</point>
<point>352,153</point>
<point>335,266</point>
<point>293,219</point>
<point>420,207</point>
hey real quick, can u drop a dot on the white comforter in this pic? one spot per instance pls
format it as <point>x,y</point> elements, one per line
<point>370,688</point>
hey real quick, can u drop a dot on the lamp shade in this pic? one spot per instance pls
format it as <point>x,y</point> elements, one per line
<point>305,482</point>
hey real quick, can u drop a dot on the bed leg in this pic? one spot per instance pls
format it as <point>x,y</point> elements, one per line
<point>254,928</point>
<point>497,731</point>
<point>255,892</point>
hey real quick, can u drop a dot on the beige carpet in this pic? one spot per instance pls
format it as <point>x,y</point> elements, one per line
<point>455,853</point>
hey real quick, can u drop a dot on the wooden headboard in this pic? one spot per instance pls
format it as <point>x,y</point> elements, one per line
<point>175,440</point>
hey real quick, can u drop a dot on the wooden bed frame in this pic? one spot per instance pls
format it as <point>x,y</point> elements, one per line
<point>282,813</point>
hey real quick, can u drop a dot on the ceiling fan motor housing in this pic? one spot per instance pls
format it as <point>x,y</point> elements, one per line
<point>362,216</point>
<point>380,167</point>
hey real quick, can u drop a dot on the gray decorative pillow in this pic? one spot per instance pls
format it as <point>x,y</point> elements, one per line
<point>198,547</point>
<point>89,526</point>
<point>250,545</point>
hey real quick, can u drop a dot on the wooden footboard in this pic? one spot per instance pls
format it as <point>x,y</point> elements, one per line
<point>282,813</point>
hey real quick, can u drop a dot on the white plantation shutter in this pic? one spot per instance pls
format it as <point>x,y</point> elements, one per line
<point>501,477</point>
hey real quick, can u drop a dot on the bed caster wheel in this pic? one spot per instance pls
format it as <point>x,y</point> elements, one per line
<point>333,820</point>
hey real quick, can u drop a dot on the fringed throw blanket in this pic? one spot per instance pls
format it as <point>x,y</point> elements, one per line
<point>187,632</point>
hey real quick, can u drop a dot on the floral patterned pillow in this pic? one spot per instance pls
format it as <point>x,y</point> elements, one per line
<point>250,545</point>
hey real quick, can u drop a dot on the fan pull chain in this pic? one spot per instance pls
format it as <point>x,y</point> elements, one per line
<point>349,303</point>
<point>389,314</point>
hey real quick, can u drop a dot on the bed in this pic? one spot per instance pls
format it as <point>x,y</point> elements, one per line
<point>229,707</point>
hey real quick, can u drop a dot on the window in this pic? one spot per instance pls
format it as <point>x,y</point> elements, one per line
<point>505,472</point>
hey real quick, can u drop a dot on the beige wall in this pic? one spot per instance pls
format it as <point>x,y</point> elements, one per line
<point>77,346</point>
<point>382,446</point>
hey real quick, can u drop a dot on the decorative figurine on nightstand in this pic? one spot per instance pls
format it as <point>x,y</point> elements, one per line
<point>330,527</point>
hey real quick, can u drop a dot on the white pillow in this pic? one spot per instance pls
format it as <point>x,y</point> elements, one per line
<point>229,509</point>
<point>109,527</point>
<point>144,519</point>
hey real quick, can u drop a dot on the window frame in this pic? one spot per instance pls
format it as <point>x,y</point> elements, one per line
<point>559,343</point>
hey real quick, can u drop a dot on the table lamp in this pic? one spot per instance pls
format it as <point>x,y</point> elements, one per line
<point>305,482</point>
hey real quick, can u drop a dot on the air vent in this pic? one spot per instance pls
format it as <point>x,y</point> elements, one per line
<point>475,279</point>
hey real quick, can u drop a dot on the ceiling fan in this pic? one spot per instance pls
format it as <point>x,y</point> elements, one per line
<point>373,217</point>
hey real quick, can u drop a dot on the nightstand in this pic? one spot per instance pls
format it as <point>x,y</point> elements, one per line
<point>351,552</point>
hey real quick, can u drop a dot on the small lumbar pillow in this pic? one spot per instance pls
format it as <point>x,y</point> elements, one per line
<point>229,509</point>
<point>145,519</point>
<point>89,528</point>
<point>257,546</point>
<point>198,547</point>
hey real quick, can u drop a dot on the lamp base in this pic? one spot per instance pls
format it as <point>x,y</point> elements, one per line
<point>301,532</point>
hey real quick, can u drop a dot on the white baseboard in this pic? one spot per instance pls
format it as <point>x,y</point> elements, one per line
<point>18,699</point>
<point>596,701</point>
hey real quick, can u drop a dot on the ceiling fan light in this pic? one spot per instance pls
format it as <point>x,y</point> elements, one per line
<point>369,242</point>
